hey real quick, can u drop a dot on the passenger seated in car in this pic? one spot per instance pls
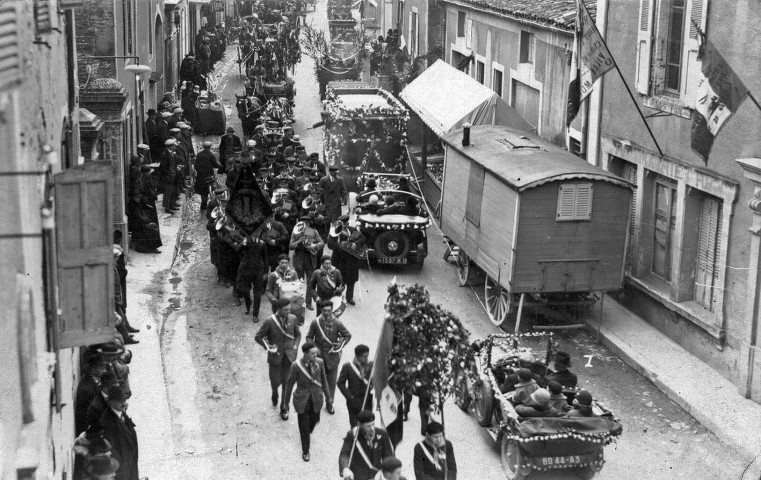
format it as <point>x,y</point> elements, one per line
<point>372,205</point>
<point>582,405</point>
<point>390,207</point>
<point>370,186</point>
<point>561,374</point>
<point>538,405</point>
<point>557,399</point>
<point>410,207</point>
<point>525,387</point>
<point>525,360</point>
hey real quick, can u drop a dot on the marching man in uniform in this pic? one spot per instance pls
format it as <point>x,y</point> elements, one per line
<point>434,455</point>
<point>306,244</point>
<point>330,335</point>
<point>372,446</point>
<point>280,335</point>
<point>283,273</point>
<point>353,382</point>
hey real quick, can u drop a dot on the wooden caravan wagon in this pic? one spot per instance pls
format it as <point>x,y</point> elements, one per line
<point>535,219</point>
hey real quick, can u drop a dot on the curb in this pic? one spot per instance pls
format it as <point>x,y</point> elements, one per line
<point>619,347</point>
<point>184,217</point>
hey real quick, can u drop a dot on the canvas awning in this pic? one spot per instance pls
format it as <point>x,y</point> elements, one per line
<point>445,98</point>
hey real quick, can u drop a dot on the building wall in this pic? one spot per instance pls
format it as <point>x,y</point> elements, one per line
<point>431,18</point>
<point>32,115</point>
<point>495,40</point>
<point>715,337</point>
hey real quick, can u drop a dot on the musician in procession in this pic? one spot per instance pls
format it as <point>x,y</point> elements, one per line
<point>347,243</point>
<point>330,335</point>
<point>275,237</point>
<point>280,336</point>
<point>283,273</point>
<point>371,447</point>
<point>251,271</point>
<point>307,247</point>
<point>326,282</point>
<point>434,455</point>
<point>354,382</point>
<point>205,164</point>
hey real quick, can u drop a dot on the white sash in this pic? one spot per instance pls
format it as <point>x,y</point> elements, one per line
<point>362,452</point>
<point>277,322</point>
<point>306,372</point>
<point>356,370</point>
<point>429,456</point>
<point>327,278</point>
<point>322,332</point>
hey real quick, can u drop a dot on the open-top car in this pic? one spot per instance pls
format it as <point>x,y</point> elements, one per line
<point>392,220</point>
<point>538,443</point>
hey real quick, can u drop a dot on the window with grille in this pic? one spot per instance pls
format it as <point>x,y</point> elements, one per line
<point>709,251</point>
<point>574,202</point>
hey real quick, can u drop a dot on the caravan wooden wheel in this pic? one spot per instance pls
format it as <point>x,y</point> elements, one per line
<point>464,266</point>
<point>497,301</point>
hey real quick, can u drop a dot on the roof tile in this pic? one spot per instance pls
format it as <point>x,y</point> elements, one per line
<point>555,13</point>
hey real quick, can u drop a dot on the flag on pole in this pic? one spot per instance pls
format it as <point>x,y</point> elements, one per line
<point>465,62</point>
<point>590,60</point>
<point>720,93</point>
<point>388,402</point>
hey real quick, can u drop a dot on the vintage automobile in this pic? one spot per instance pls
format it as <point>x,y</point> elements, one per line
<point>535,222</point>
<point>393,238</point>
<point>531,445</point>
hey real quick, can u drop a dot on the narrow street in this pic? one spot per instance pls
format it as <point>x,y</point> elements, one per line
<point>221,417</point>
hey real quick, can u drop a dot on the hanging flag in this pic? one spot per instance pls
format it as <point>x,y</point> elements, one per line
<point>465,62</point>
<point>593,59</point>
<point>388,402</point>
<point>720,93</point>
<point>574,92</point>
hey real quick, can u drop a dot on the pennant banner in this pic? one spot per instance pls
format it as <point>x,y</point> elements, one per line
<point>387,398</point>
<point>720,93</point>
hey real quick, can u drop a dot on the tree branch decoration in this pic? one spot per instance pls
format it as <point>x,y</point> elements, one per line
<point>430,343</point>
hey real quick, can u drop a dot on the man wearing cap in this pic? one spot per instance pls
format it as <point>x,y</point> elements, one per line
<point>334,193</point>
<point>317,211</point>
<point>330,335</point>
<point>176,117</point>
<point>168,169</point>
<point>205,164</point>
<point>280,336</point>
<point>226,146</point>
<point>119,430</point>
<point>99,403</point>
<point>582,405</point>
<point>150,127</point>
<point>434,455</point>
<point>287,139</point>
<point>314,162</point>
<point>259,138</point>
<point>102,467</point>
<point>162,134</point>
<point>353,382</point>
<point>372,446</point>
<point>291,171</point>
<point>307,246</point>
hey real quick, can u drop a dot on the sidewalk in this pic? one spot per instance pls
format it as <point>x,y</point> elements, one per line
<point>692,384</point>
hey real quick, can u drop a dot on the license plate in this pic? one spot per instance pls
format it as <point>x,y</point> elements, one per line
<point>559,461</point>
<point>393,260</point>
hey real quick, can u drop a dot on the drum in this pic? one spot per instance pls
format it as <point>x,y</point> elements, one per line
<point>339,305</point>
<point>293,292</point>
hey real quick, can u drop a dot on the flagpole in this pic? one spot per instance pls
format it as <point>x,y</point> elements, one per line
<point>628,90</point>
<point>753,99</point>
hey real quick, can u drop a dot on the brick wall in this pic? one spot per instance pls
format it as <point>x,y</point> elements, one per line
<point>96,28</point>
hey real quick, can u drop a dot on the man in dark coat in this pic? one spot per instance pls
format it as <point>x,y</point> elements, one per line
<point>434,456</point>
<point>561,374</point>
<point>168,168</point>
<point>226,146</point>
<point>334,193</point>
<point>188,69</point>
<point>345,262</point>
<point>119,430</point>
<point>280,336</point>
<point>151,126</point>
<point>330,335</point>
<point>372,446</point>
<point>157,141</point>
<point>88,388</point>
<point>326,282</point>
<point>204,165</point>
<point>353,382</point>
<point>306,246</point>
<point>251,272</point>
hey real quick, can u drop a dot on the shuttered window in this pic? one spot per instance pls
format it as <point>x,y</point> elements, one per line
<point>45,16</point>
<point>574,202</point>
<point>475,194</point>
<point>83,208</point>
<point>10,60</point>
<point>709,251</point>
<point>629,173</point>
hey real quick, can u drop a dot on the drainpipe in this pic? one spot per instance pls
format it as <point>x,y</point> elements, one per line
<point>595,98</point>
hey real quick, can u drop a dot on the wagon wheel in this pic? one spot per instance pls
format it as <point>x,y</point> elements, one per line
<point>465,268</point>
<point>498,304</point>
<point>462,394</point>
<point>512,457</point>
<point>483,401</point>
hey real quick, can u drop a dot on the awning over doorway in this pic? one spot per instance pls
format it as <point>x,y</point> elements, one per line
<point>446,98</point>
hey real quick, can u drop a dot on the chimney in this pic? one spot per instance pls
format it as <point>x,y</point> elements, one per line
<point>466,135</point>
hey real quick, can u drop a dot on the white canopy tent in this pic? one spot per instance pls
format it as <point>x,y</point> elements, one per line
<point>446,98</point>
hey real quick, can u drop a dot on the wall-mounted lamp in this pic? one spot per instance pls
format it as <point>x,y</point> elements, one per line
<point>144,71</point>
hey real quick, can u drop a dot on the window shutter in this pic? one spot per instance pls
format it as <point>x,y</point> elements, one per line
<point>566,198</point>
<point>84,239</point>
<point>475,194</point>
<point>709,245</point>
<point>697,13</point>
<point>644,42</point>
<point>10,58</point>
<point>469,33</point>
<point>582,209</point>
<point>45,12</point>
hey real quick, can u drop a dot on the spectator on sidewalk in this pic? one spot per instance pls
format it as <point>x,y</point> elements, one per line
<point>100,402</point>
<point>119,430</point>
<point>89,387</point>
<point>103,467</point>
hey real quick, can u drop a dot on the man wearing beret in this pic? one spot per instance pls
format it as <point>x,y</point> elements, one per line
<point>434,455</point>
<point>205,164</point>
<point>280,336</point>
<point>330,335</point>
<point>119,430</point>
<point>354,380</point>
<point>372,446</point>
<point>391,469</point>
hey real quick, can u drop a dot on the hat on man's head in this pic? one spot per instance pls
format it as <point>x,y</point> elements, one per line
<point>116,393</point>
<point>230,130</point>
<point>365,416</point>
<point>344,218</point>
<point>371,183</point>
<point>324,303</point>
<point>99,445</point>
<point>524,374</point>
<point>305,218</point>
<point>178,110</point>
<point>166,114</point>
<point>251,143</point>
<point>281,302</point>
<point>174,131</point>
<point>562,360</point>
<point>296,138</point>
<point>583,398</point>
<point>170,142</point>
<point>183,125</point>
<point>390,464</point>
<point>314,155</point>
<point>110,349</point>
<point>373,200</point>
<point>206,144</point>
<point>554,387</point>
<point>102,465</point>
<point>290,159</point>
<point>433,428</point>
<point>259,127</point>
<point>93,432</point>
<point>142,146</point>
<point>333,168</point>
<point>541,396</point>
